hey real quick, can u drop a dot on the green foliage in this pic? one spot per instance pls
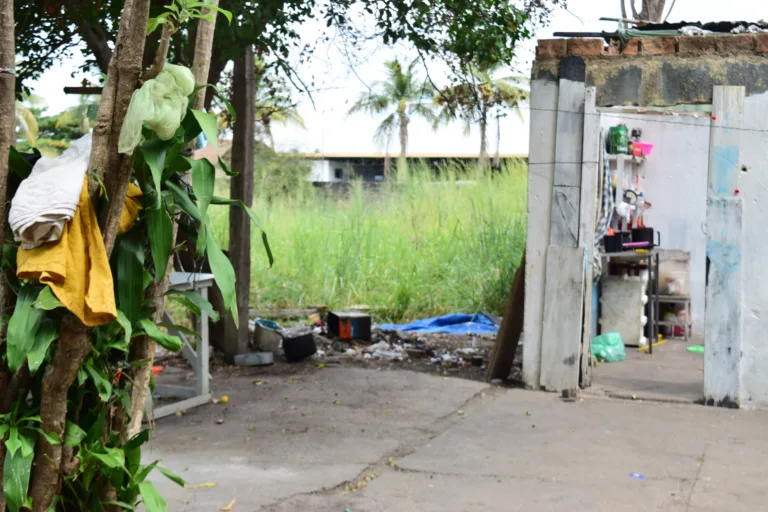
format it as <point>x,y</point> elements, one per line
<point>434,244</point>
<point>402,96</point>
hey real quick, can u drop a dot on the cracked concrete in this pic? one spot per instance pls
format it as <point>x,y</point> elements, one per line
<point>436,444</point>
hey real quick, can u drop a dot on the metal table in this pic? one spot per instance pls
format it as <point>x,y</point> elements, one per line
<point>652,259</point>
<point>196,356</point>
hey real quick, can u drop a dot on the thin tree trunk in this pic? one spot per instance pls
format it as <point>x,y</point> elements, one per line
<point>74,339</point>
<point>7,135</point>
<point>484,137</point>
<point>403,135</point>
<point>497,162</point>
<point>144,348</point>
<point>652,10</point>
<point>241,187</point>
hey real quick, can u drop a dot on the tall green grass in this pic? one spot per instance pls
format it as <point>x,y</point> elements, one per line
<point>425,245</point>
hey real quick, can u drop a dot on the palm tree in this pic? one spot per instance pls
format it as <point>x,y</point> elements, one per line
<point>479,101</point>
<point>401,96</point>
<point>80,116</point>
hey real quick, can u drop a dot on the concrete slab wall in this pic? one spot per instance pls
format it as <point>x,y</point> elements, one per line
<point>676,185</point>
<point>753,188</point>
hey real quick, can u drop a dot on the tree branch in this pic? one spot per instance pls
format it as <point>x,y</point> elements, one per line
<point>162,53</point>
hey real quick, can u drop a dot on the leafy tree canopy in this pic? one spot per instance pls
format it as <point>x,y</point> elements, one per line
<point>482,33</point>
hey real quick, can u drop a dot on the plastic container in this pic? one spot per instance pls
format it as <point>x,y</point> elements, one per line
<point>645,147</point>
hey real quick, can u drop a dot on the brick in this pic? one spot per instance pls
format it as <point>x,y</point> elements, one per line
<point>632,47</point>
<point>735,44</point>
<point>658,45</point>
<point>697,44</point>
<point>761,43</point>
<point>611,50</point>
<point>552,48</point>
<point>585,47</point>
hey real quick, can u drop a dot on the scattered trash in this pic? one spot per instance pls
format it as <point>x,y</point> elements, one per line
<point>637,475</point>
<point>220,421</point>
<point>609,347</point>
<point>224,399</point>
<point>201,486</point>
<point>349,325</point>
<point>497,382</point>
<point>320,365</point>
<point>228,507</point>
<point>299,347</point>
<point>255,359</point>
<point>696,349</point>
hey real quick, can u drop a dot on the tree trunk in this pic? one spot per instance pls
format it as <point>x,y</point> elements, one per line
<point>497,160</point>
<point>403,135</point>
<point>484,137</point>
<point>241,187</point>
<point>7,125</point>
<point>74,338</point>
<point>653,10</point>
<point>144,347</point>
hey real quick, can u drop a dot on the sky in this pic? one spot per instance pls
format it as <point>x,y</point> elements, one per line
<point>329,129</point>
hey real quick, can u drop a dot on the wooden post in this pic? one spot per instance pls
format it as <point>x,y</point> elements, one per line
<point>565,261</point>
<point>723,322</point>
<point>241,187</point>
<point>590,169</point>
<point>505,348</point>
<point>541,168</point>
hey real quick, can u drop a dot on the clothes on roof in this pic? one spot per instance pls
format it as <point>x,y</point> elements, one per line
<point>76,266</point>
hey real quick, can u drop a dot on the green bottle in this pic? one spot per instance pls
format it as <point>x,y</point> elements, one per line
<point>618,140</point>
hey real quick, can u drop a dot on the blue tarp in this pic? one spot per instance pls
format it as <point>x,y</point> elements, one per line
<point>457,323</point>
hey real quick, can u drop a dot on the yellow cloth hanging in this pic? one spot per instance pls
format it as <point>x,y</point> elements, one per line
<point>76,266</point>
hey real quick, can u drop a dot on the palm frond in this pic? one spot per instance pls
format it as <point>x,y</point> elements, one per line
<point>384,131</point>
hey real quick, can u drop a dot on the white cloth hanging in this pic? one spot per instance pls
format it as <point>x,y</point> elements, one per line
<point>48,198</point>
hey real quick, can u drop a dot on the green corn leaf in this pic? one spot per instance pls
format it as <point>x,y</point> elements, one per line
<point>172,343</point>
<point>160,231</point>
<point>112,457</point>
<point>130,274</point>
<point>13,443</point>
<point>180,329</point>
<point>183,201</point>
<point>173,477</point>
<point>225,168</point>
<point>46,333</point>
<point>144,472</point>
<point>203,181</point>
<point>224,275</point>
<point>103,385</point>
<point>126,325</point>
<point>47,300</point>
<point>154,152</point>
<point>16,470</point>
<point>73,435</point>
<point>23,326</point>
<point>194,302</point>
<point>209,126</point>
<point>153,502</point>
<point>254,218</point>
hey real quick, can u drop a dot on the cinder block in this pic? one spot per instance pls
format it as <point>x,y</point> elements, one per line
<point>761,43</point>
<point>552,48</point>
<point>632,47</point>
<point>658,45</point>
<point>697,44</point>
<point>735,44</point>
<point>585,47</point>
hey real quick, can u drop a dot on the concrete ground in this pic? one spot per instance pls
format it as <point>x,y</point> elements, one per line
<point>339,439</point>
<point>670,374</point>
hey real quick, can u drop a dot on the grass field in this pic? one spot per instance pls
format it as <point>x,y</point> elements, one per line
<point>420,247</point>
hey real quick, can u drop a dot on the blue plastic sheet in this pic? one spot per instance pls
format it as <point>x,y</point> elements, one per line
<point>457,323</point>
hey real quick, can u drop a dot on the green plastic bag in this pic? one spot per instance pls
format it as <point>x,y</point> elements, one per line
<point>609,347</point>
<point>161,103</point>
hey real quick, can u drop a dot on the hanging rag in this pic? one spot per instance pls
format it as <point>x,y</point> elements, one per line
<point>76,266</point>
<point>161,102</point>
<point>48,198</point>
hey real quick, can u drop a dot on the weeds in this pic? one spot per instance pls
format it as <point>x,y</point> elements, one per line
<point>426,245</point>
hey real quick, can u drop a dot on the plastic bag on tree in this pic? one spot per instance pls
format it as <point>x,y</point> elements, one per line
<point>161,103</point>
<point>609,347</point>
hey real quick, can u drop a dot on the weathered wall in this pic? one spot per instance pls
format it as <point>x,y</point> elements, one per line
<point>663,71</point>
<point>753,186</point>
<point>676,185</point>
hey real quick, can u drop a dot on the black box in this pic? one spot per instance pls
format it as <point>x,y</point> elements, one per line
<point>352,325</point>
